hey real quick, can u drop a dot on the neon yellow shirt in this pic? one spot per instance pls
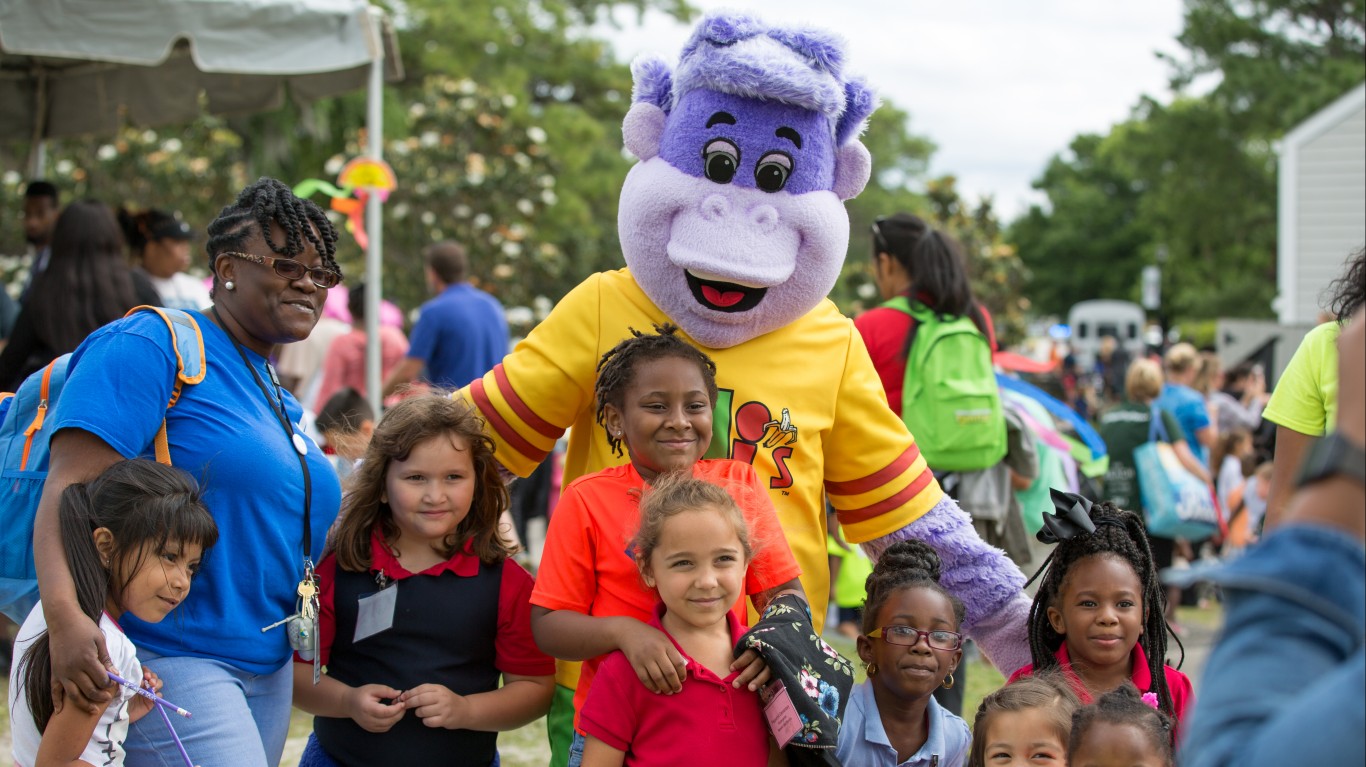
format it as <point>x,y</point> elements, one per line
<point>855,567</point>
<point>1306,397</point>
<point>802,405</point>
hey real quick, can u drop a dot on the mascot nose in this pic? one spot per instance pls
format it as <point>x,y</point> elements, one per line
<point>715,208</point>
<point>762,219</point>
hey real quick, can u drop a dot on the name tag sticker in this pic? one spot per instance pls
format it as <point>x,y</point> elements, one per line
<point>376,612</point>
<point>782,717</point>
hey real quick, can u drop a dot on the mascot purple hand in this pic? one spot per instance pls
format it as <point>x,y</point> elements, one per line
<point>733,228</point>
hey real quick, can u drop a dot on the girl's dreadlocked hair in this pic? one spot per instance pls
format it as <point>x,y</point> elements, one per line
<point>617,368</point>
<point>1121,534</point>
<point>905,565</point>
<point>1124,706</point>
<point>265,201</point>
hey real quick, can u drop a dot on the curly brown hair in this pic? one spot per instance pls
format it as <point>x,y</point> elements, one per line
<point>407,424</point>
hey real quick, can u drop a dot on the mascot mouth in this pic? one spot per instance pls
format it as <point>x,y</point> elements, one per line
<point>724,296</point>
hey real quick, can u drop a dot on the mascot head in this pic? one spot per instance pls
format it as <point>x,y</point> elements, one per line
<point>733,222</point>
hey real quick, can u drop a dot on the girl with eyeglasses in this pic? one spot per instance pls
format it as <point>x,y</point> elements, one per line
<point>910,645</point>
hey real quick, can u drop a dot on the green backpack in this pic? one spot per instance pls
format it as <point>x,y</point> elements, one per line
<point>949,397</point>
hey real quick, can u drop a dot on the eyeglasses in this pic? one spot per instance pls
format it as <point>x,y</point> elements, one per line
<point>291,269</point>
<point>879,241</point>
<point>909,637</point>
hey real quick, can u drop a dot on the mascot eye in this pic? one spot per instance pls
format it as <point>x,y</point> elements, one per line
<point>720,158</point>
<point>772,172</point>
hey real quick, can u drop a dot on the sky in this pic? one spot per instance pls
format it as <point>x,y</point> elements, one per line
<point>1000,86</point>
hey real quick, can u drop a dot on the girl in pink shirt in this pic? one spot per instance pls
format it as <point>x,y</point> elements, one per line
<point>1099,611</point>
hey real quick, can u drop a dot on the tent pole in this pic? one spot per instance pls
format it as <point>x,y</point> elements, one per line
<point>374,127</point>
<point>39,164</point>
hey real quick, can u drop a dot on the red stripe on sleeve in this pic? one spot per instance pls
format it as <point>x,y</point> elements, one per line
<point>519,406</point>
<point>878,478</point>
<point>502,427</point>
<point>850,516</point>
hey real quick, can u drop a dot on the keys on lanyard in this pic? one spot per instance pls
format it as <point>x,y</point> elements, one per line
<point>302,626</point>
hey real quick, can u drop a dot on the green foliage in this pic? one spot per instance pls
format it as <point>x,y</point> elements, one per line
<point>1195,177</point>
<point>1089,244</point>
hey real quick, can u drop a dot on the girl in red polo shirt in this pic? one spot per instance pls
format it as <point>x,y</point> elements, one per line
<point>692,550</point>
<point>1099,611</point>
<point>421,609</point>
<point>655,396</point>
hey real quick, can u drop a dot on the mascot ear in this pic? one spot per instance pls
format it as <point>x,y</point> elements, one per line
<point>643,128</point>
<point>853,166</point>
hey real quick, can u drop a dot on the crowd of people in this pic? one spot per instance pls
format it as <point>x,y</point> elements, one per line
<point>120,539</point>
<point>232,533</point>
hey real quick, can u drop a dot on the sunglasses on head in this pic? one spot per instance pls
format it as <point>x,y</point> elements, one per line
<point>291,269</point>
<point>879,241</point>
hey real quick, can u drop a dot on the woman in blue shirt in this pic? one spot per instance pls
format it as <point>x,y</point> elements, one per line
<point>270,488</point>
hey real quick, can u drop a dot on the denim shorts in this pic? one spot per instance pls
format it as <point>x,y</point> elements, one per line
<point>576,750</point>
<point>240,719</point>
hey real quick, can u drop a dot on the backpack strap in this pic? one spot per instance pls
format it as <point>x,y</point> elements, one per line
<point>40,415</point>
<point>1157,430</point>
<point>187,341</point>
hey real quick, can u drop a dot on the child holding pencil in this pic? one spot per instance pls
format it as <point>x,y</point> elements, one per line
<point>134,538</point>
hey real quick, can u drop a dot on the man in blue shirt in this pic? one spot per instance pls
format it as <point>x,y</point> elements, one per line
<point>460,334</point>
<point>1178,398</point>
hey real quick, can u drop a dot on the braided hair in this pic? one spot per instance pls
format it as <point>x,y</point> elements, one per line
<point>1123,706</point>
<point>905,565</point>
<point>1121,534</point>
<point>265,201</point>
<point>617,369</point>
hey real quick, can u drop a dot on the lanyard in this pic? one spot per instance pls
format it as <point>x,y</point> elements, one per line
<point>277,408</point>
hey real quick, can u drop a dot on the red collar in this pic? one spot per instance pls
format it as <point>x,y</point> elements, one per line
<point>1138,671</point>
<point>737,630</point>
<point>382,558</point>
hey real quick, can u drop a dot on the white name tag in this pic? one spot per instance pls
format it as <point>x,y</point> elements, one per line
<point>376,612</point>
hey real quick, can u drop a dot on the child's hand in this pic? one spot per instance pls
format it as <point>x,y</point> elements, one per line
<point>437,706</point>
<point>367,708</point>
<point>754,671</point>
<point>657,663</point>
<point>139,706</point>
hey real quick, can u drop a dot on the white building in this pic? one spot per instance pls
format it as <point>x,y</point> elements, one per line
<point>1321,217</point>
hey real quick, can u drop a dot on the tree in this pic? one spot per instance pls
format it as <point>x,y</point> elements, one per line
<point>1277,61</point>
<point>1195,176</point>
<point>1088,242</point>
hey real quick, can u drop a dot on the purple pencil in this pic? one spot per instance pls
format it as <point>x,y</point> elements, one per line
<point>144,692</point>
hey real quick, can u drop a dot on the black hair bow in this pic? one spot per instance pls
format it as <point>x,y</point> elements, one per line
<point>1071,516</point>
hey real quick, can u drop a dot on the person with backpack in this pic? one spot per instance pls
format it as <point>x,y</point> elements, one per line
<point>931,343</point>
<point>272,491</point>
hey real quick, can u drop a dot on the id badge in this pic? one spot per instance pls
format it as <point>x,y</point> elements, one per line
<point>783,720</point>
<point>376,612</point>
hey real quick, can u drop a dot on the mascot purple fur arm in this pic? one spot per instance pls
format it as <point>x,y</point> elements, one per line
<point>763,82</point>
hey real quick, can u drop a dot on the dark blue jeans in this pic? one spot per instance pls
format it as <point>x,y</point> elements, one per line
<point>1284,684</point>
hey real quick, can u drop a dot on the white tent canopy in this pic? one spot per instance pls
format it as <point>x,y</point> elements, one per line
<point>80,67</point>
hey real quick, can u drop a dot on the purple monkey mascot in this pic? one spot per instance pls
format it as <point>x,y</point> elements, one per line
<point>733,228</point>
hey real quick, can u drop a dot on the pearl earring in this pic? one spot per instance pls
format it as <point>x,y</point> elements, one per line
<point>230,285</point>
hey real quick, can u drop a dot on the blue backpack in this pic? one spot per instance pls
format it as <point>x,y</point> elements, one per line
<point>24,454</point>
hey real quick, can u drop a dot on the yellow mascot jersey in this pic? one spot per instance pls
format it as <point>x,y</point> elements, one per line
<point>803,405</point>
